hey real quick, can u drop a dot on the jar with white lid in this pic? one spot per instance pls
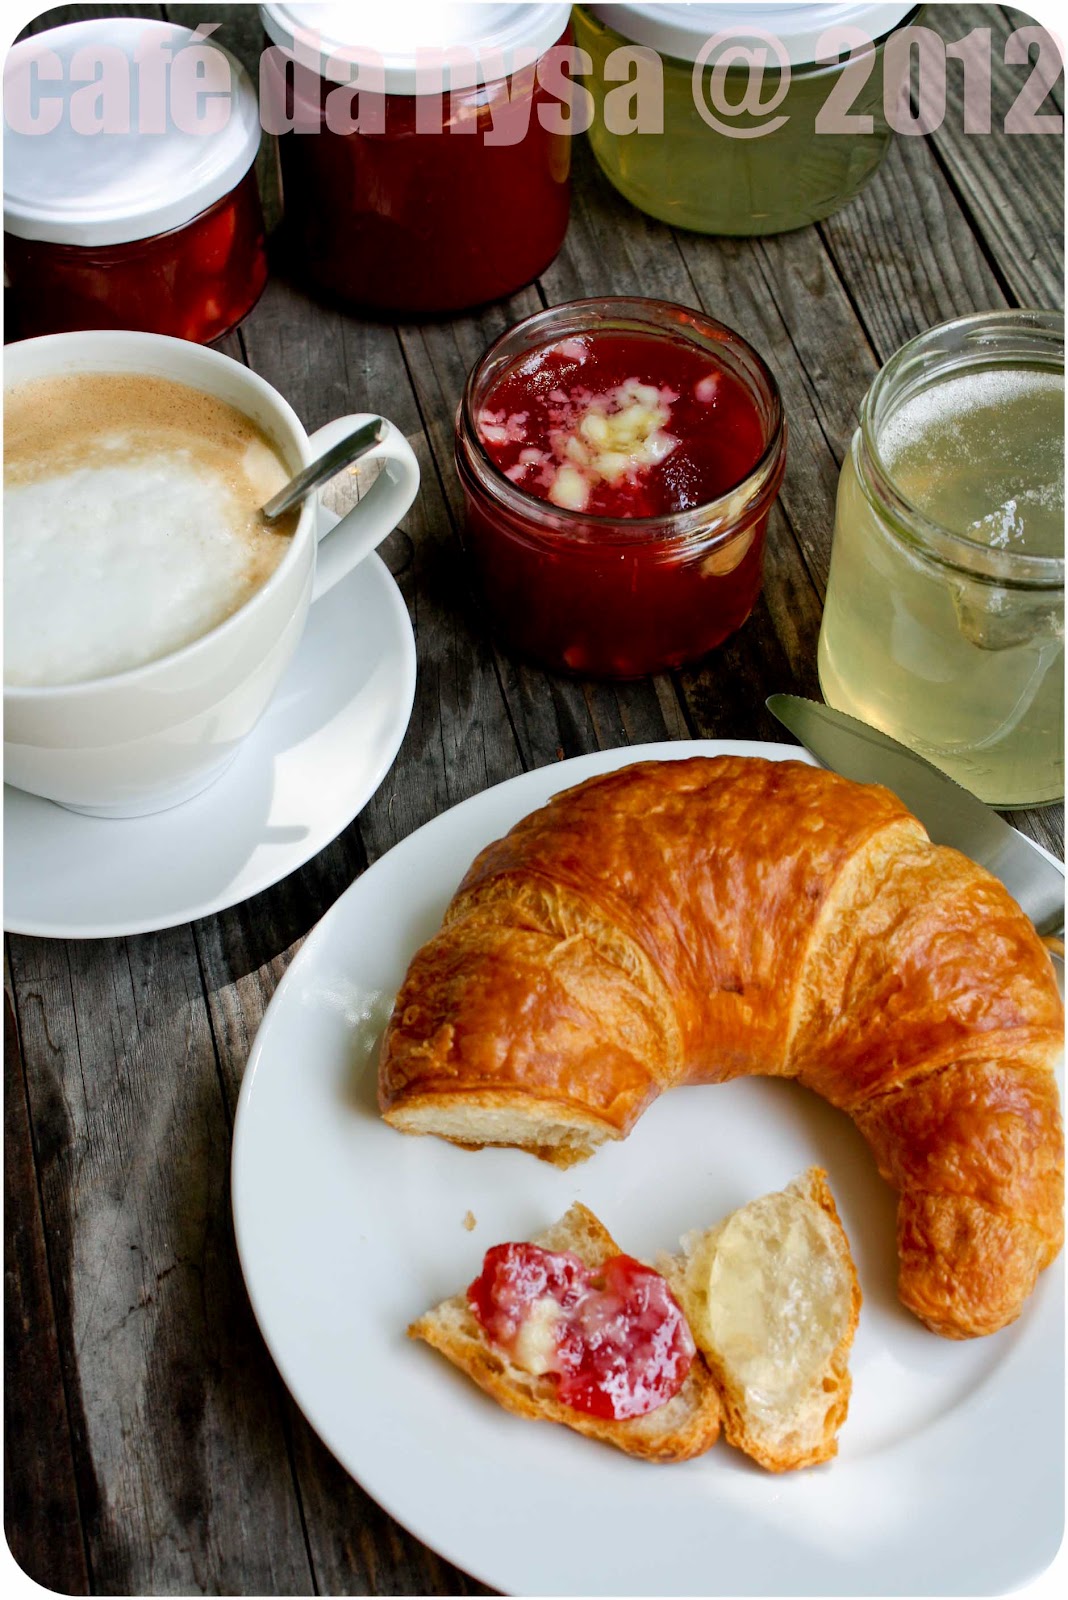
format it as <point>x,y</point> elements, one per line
<point>130,197</point>
<point>454,187</point>
<point>720,164</point>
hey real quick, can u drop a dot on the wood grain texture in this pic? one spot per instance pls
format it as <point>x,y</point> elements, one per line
<point>174,1405</point>
<point>151,1445</point>
<point>1016,199</point>
<point>41,1516</point>
<point>906,253</point>
<point>329,364</point>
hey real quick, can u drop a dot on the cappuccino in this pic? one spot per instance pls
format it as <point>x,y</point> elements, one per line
<point>131,522</point>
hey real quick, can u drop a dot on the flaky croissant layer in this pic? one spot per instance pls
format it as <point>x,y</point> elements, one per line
<point>699,920</point>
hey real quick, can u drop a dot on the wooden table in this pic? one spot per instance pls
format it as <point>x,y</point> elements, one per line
<point>151,1446</point>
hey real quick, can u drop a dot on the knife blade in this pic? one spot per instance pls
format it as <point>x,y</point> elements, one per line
<point>951,814</point>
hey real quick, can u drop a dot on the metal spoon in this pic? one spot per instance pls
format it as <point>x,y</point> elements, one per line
<point>321,471</point>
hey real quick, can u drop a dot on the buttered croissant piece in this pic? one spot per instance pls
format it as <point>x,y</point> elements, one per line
<point>772,1298</point>
<point>694,921</point>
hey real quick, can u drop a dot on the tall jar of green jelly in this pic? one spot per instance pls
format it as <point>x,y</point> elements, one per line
<point>769,116</point>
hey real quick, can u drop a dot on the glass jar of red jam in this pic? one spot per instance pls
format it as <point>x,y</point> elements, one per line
<point>444,182</point>
<point>130,196</point>
<point>619,458</point>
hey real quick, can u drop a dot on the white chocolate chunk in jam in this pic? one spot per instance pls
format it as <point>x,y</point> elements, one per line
<point>618,435</point>
<point>535,1342</point>
<point>570,489</point>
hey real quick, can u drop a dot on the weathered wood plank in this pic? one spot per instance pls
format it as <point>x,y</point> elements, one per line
<point>1044,823</point>
<point>358,1548</point>
<point>1023,19</point>
<point>906,252</point>
<point>41,1514</point>
<point>1013,184</point>
<point>459,741</point>
<point>173,1404</point>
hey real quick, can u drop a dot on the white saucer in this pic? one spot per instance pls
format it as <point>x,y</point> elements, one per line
<point>324,745</point>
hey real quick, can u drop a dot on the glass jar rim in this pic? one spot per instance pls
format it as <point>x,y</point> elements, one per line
<point>680,33</point>
<point>961,345</point>
<point>641,314</point>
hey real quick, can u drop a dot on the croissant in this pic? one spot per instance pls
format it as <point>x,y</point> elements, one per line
<point>693,921</point>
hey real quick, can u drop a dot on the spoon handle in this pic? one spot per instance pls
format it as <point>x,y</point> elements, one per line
<point>320,471</point>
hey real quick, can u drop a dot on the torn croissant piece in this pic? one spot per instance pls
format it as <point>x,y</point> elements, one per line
<point>699,920</point>
<point>518,1375</point>
<point>772,1297</point>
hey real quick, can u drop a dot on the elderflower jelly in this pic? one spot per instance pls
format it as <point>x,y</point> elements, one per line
<point>444,180</point>
<point>619,459</point>
<point>944,620</point>
<point>148,221</point>
<point>717,149</point>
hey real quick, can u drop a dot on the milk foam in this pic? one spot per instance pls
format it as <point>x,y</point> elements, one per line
<point>108,569</point>
<point>126,542</point>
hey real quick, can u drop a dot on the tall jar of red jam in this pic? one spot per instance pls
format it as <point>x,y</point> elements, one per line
<point>424,165</point>
<point>619,458</point>
<point>130,196</point>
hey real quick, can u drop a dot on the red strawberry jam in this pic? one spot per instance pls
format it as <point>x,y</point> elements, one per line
<point>616,1341</point>
<point>195,281</point>
<point>622,425</point>
<point>618,458</point>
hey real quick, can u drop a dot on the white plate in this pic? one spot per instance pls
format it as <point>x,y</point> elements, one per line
<point>949,1477</point>
<point>319,753</point>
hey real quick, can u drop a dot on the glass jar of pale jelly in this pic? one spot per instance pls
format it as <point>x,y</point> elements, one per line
<point>137,211</point>
<point>944,620</point>
<point>717,169</point>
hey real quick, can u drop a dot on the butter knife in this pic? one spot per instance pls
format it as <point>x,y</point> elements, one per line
<point>950,814</point>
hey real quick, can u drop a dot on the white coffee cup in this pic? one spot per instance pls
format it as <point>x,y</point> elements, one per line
<point>148,738</point>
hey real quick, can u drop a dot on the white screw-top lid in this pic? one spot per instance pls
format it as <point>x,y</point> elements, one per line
<point>492,41</point>
<point>142,173</point>
<point>682,30</point>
